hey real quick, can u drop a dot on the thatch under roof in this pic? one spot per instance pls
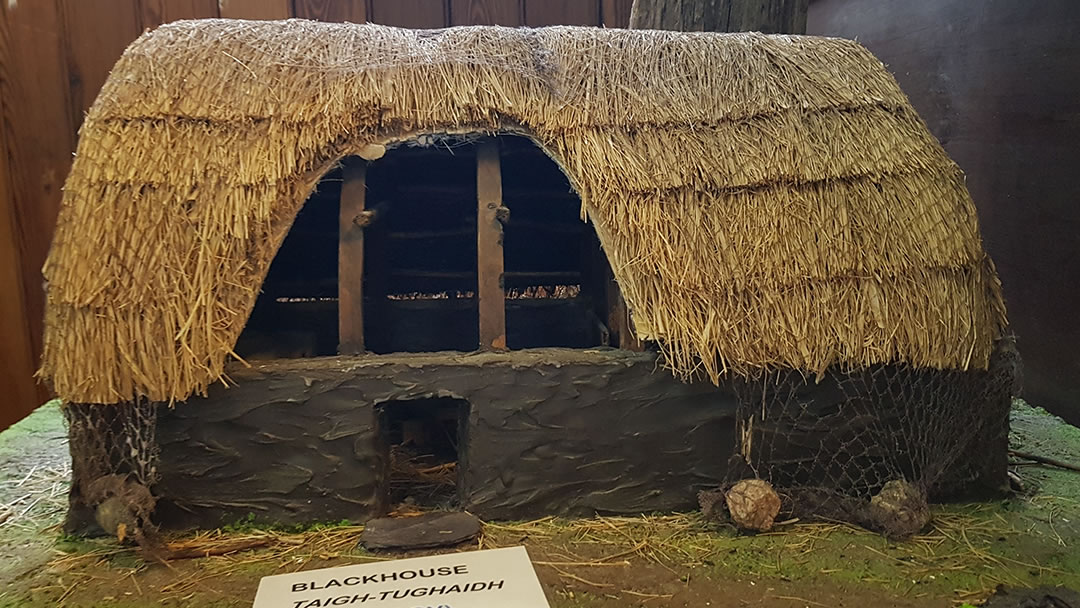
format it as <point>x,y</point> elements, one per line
<point>765,201</point>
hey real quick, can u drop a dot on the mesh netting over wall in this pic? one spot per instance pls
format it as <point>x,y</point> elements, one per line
<point>829,445</point>
<point>114,456</point>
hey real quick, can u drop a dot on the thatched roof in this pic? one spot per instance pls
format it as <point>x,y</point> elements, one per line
<point>765,201</point>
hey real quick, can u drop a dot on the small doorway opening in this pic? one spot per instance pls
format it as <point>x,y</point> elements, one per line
<point>424,442</point>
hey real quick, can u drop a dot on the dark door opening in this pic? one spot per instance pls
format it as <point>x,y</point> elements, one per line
<point>425,443</point>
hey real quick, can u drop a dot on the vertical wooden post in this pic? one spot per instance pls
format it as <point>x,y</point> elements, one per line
<point>619,319</point>
<point>489,248</point>
<point>767,16</point>
<point>255,9</point>
<point>351,260</point>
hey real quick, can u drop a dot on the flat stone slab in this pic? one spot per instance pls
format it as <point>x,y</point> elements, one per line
<point>420,532</point>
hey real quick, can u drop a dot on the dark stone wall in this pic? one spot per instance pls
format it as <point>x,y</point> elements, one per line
<point>551,431</point>
<point>996,82</point>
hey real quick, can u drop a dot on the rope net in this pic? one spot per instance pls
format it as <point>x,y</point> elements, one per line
<point>114,456</point>
<point>838,447</point>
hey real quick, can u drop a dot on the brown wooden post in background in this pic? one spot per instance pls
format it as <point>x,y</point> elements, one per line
<point>351,259</point>
<point>768,16</point>
<point>255,9</point>
<point>489,247</point>
<point>623,335</point>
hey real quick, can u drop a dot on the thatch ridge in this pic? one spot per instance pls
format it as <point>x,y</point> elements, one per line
<point>765,201</point>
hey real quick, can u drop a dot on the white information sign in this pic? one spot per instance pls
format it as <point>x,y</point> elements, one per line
<point>496,578</point>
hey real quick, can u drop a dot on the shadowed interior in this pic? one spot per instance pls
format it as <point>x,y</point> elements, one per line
<point>420,259</point>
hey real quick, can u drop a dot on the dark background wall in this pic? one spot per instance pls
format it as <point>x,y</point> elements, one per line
<point>998,82</point>
<point>54,57</point>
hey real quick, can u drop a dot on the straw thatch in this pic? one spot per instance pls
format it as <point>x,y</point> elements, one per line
<point>765,201</point>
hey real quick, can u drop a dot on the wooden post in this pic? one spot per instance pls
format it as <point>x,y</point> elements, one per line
<point>255,9</point>
<point>489,248</point>
<point>619,319</point>
<point>351,260</point>
<point>768,16</point>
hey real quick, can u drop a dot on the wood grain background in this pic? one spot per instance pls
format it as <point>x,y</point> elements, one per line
<point>54,57</point>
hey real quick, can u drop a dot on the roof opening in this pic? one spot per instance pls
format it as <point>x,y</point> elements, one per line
<point>296,313</point>
<point>419,267</point>
<point>555,272</point>
<point>386,257</point>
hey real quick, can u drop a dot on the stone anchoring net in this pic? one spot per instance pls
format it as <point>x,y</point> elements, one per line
<point>114,456</point>
<point>873,446</point>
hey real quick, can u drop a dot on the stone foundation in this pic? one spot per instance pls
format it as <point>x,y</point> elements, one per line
<point>549,431</point>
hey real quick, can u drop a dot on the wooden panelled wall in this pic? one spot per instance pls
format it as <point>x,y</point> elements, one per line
<point>54,57</point>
